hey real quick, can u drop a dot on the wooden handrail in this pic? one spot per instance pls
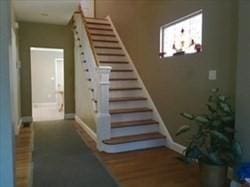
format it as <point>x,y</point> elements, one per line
<point>88,34</point>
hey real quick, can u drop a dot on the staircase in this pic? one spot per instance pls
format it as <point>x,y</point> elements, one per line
<point>125,114</point>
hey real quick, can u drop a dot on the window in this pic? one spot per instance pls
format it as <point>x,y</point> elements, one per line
<point>183,36</point>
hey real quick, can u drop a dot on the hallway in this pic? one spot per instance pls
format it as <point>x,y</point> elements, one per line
<point>61,159</point>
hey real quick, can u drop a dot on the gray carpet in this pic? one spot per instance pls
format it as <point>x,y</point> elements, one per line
<point>61,159</point>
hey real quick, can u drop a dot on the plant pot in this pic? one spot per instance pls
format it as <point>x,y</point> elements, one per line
<point>213,175</point>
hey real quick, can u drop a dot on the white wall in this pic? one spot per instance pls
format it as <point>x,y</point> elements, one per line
<point>43,75</point>
<point>88,7</point>
<point>83,103</point>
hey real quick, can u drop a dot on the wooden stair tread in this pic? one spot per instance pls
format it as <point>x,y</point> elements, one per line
<point>133,123</point>
<point>110,54</point>
<point>102,29</point>
<point>91,18</point>
<point>106,47</point>
<point>121,70</point>
<point>113,62</point>
<point>122,99</point>
<point>123,79</point>
<point>119,99</point>
<point>100,34</point>
<point>97,23</point>
<point>108,41</point>
<point>125,89</point>
<point>130,110</point>
<point>134,138</point>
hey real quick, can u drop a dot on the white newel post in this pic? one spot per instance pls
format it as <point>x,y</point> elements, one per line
<point>103,118</point>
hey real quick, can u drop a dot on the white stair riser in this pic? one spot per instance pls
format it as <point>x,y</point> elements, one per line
<point>128,104</point>
<point>117,66</point>
<point>106,44</point>
<point>113,58</point>
<point>122,84</point>
<point>112,51</point>
<point>131,116</point>
<point>134,145</point>
<point>127,131</point>
<point>127,93</point>
<point>98,26</point>
<point>97,20</point>
<point>100,32</point>
<point>122,75</point>
<point>109,38</point>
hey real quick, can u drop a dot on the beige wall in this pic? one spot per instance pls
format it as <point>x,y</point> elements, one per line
<point>179,83</point>
<point>47,36</point>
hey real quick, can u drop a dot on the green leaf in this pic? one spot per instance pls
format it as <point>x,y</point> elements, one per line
<point>214,158</point>
<point>222,98</point>
<point>193,152</point>
<point>219,136</point>
<point>187,116</point>
<point>225,107</point>
<point>229,130</point>
<point>237,149</point>
<point>227,118</point>
<point>201,119</point>
<point>215,90</point>
<point>210,108</point>
<point>182,129</point>
<point>216,123</point>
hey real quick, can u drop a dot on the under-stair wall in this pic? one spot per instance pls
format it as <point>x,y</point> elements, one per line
<point>83,107</point>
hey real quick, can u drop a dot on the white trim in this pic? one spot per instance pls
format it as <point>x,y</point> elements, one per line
<point>177,147</point>
<point>69,116</point>
<point>46,49</point>
<point>86,128</point>
<point>27,119</point>
<point>18,126</point>
<point>131,146</point>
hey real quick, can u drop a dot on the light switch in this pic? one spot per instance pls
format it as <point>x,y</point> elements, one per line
<point>212,75</point>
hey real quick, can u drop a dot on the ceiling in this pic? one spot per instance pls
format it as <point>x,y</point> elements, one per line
<point>45,11</point>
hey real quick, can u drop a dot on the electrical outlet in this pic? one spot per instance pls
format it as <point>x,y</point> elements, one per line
<point>212,75</point>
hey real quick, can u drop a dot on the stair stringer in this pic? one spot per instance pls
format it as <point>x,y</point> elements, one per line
<point>156,115</point>
<point>84,59</point>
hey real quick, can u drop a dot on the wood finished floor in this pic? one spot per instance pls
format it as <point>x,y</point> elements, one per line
<point>24,157</point>
<point>148,168</point>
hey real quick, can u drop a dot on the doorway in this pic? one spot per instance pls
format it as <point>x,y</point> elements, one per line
<point>47,75</point>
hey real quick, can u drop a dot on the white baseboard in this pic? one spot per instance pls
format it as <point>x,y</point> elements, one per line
<point>27,119</point>
<point>69,116</point>
<point>85,127</point>
<point>44,104</point>
<point>176,147</point>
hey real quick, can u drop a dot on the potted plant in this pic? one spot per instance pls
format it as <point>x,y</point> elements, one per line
<point>212,143</point>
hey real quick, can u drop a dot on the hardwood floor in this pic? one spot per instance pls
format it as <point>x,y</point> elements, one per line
<point>148,168</point>
<point>24,157</point>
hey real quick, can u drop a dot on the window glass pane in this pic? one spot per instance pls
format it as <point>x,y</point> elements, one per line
<point>184,37</point>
